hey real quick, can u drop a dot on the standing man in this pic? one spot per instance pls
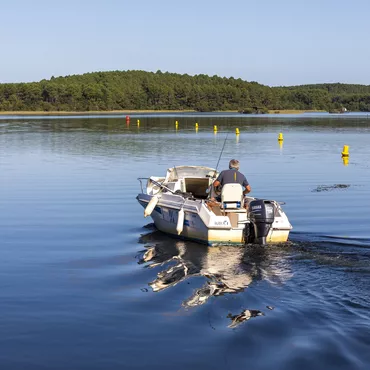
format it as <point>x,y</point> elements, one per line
<point>232,176</point>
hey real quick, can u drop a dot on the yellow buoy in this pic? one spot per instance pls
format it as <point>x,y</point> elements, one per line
<point>138,122</point>
<point>345,152</point>
<point>215,128</point>
<point>281,138</point>
<point>196,125</point>
<point>237,131</point>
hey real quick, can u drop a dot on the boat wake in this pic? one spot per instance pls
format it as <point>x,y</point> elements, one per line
<point>341,252</point>
<point>360,242</point>
<point>228,270</point>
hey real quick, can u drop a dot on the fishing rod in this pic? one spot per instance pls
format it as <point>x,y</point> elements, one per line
<point>222,150</point>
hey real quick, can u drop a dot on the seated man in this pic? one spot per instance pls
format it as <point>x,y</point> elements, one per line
<point>232,176</point>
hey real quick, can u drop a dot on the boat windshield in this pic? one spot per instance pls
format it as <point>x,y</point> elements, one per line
<point>181,172</point>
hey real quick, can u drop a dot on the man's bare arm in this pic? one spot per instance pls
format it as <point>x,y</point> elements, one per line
<point>247,190</point>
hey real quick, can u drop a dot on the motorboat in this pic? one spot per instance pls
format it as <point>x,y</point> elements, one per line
<point>185,203</point>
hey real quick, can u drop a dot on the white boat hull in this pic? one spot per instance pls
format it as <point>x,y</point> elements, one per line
<point>202,226</point>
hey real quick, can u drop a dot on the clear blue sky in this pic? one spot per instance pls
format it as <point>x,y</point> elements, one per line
<point>273,42</point>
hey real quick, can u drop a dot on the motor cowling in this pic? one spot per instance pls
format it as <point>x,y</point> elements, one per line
<point>261,215</point>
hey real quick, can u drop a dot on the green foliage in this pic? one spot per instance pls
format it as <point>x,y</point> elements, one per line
<point>247,111</point>
<point>126,90</point>
<point>254,110</point>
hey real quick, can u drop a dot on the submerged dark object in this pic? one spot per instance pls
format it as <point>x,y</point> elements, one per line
<point>330,187</point>
<point>243,316</point>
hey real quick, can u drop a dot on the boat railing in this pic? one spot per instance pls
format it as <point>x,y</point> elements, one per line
<point>141,182</point>
<point>159,184</point>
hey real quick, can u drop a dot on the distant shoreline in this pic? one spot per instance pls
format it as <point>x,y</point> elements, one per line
<point>86,113</point>
<point>127,112</point>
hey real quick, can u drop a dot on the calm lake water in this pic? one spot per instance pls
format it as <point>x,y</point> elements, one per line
<point>87,283</point>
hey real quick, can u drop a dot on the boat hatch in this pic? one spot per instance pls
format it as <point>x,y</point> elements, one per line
<point>197,186</point>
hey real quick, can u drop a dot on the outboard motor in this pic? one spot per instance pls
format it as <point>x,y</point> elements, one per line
<point>261,215</point>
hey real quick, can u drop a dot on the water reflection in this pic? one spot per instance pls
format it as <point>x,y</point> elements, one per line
<point>281,144</point>
<point>245,315</point>
<point>227,269</point>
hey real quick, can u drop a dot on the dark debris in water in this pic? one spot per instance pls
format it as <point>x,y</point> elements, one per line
<point>321,188</point>
<point>243,316</point>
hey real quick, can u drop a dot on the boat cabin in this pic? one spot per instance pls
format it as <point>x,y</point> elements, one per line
<point>186,179</point>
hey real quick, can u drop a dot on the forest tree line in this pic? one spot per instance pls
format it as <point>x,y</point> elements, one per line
<point>140,90</point>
